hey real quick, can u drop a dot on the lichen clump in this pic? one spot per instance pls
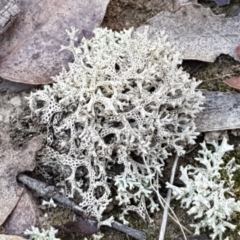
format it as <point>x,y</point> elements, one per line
<point>207,196</point>
<point>36,234</point>
<point>112,119</point>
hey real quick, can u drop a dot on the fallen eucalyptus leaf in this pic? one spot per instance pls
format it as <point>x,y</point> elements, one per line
<point>79,228</point>
<point>233,82</point>
<point>222,2</point>
<point>23,216</point>
<point>12,162</point>
<point>29,50</point>
<point>15,87</point>
<point>221,112</point>
<point>197,32</point>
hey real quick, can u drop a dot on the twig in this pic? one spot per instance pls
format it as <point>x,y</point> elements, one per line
<point>190,150</point>
<point>130,231</point>
<point>167,203</point>
<point>162,202</point>
<point>46,191</point>
<point>217,78</point>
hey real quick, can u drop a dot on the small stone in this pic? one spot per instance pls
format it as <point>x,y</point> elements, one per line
<point>16,101</point>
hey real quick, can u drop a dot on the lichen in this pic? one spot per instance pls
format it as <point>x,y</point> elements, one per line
<point>123,107</point>
<point>207,196</point>
<point>36,234</point>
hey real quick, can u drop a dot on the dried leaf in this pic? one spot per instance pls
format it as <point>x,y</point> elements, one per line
<point>221,112</point>
<point>13,162</point>
<point>80,227</point>
<point>197,32</point>
<point>233,82</point>
<point>15,87</point>
<point>29,50</point>
<point>23,216</point>
<point>222,2</point>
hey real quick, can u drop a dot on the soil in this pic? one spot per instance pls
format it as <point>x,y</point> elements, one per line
<point>124,14</point>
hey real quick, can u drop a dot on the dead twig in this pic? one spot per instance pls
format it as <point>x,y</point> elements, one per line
<point>163,202</point>
<point>167,203</point>
<point>46,191</point>
<point>217,78</point>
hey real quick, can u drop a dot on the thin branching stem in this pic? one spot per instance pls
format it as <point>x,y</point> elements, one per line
<point>167,205</point>
<point>164,203</point>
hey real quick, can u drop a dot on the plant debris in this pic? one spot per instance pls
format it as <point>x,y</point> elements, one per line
<point>233,82</point>
<point>197,32</point>
<point>29,50</point>
<point>46,191</point>
<point>14,161</point>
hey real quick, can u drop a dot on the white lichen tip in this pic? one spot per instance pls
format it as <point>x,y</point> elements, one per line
<point>49,203</point>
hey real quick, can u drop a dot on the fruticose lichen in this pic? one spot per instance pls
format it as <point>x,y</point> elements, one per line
<point>36,234</point>
<point>207,196</point>
<point>112,119</point>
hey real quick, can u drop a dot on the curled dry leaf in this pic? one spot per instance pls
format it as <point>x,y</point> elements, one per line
<point>233,82</point>
<point>15,87</point>
<point>29,50</point>
<point>12,162</point>
<point>197,32</point>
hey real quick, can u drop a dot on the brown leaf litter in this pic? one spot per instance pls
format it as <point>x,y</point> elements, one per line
<point>197,32</point>
<point>23,216</point>
<point>12,162</point>
<point>233,82</point>
<point>29,50</point>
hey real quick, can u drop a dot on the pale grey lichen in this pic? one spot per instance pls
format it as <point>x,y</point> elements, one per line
<point>36,234</point>
<point>207,196</point>
<point>112,119</point>
<point>48,204</point>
